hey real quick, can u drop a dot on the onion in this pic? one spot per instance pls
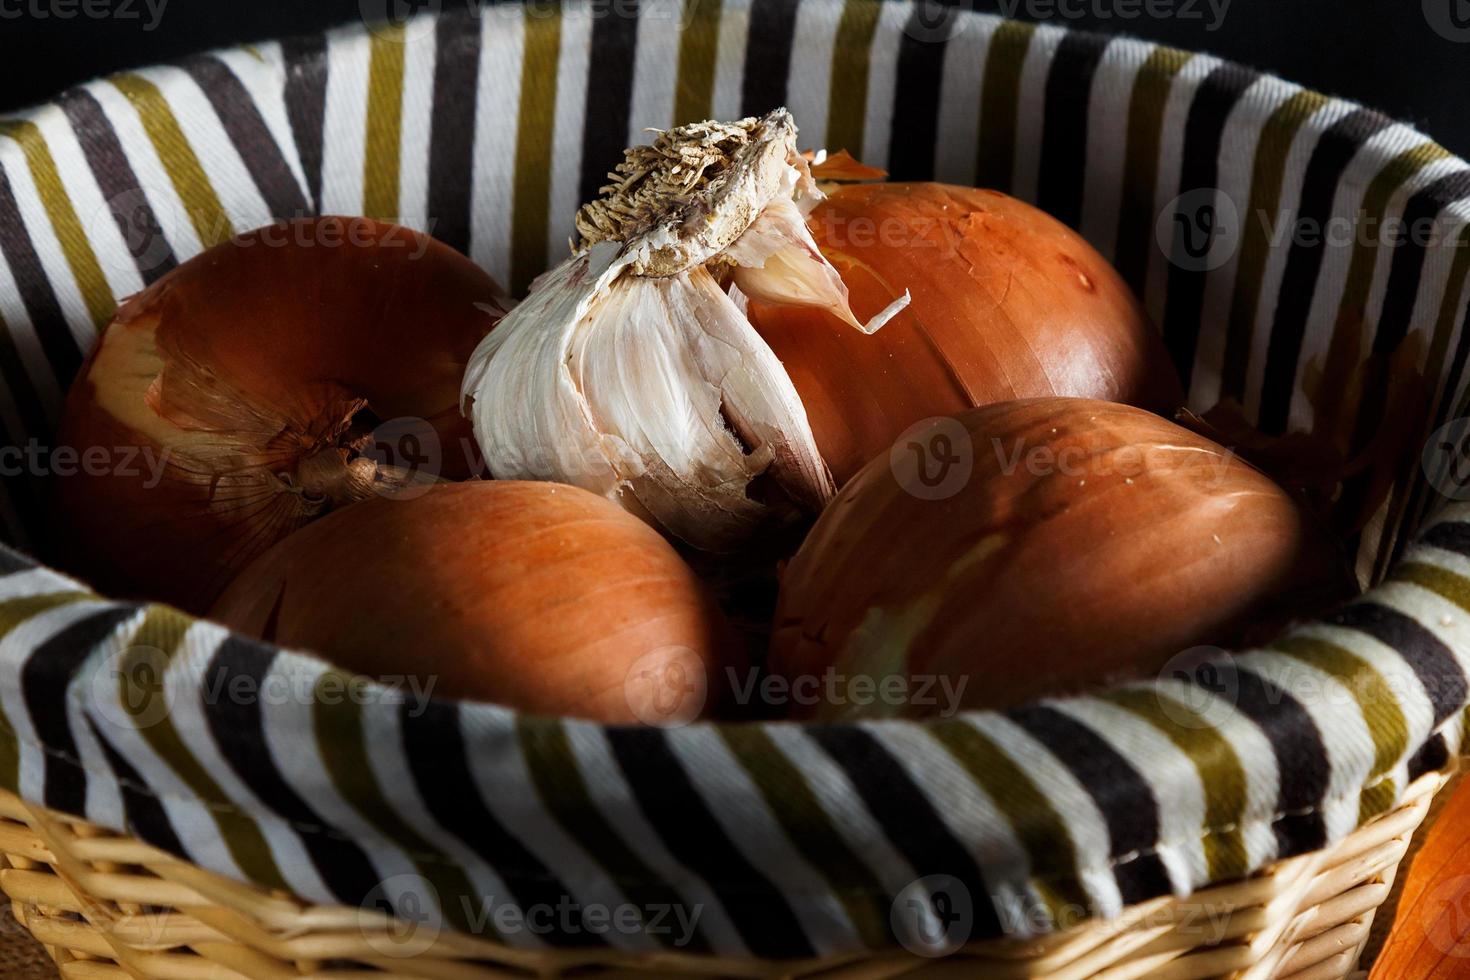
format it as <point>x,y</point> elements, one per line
<point>1430,939</point>
<point>535,595</point>
<point>236,397</point>
<point>1039,546</point>
<point>1007,302</point>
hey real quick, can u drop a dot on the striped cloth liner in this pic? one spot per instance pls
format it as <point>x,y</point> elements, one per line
<point>784,840</point>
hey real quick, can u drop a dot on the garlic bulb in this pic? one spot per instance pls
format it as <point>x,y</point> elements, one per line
<point>631,370</point>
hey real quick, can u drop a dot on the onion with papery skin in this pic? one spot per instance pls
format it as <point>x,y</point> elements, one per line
<point>1007,302</point>
<point>1090,541</point>
<point>539,596</point>
<point>1430,938</point>
<point>243,386</point>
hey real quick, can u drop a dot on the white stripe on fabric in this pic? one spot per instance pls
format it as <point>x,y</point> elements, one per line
<point>571,112</point>
<point>16,647</point>
<point>507,789</point>
<point>730,62</point>
<point>1336,260</point>
<point>289,724</point>
<point>882,79</point>
<point>191,818</point>
<point>844,807</point>
<point>264,77</point>
<point>655,65</point>
<point>1281,236</point>
<point>1074,805</point>
<point>755,832</point>
<point>1031,111</point>
<point>1107,141</point>
<point>969,813</point>
<point>225,169</point>
<point>419,56</point>
<point>1170,172</point>
<point>960,88</point>
<point>1239,141</point>
<point>93,211</point>
<point>809,85</point>
<point>1408,690</point>
<point>383,735</point>
<point>497,109</point>
<point>159,191</point>
<point>35,581</point>
<point>1333,709</point>
<point>616,802</point>
<point>188,689</point>
<point>54,265</point>
<point>27,342</point>
<point>1256,756</point>
<point>344,126</point>
<point>1172,777</point>
<point>1445,620</point>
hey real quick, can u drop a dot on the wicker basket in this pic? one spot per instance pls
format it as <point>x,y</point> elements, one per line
<point>108,907</point>
<point>252,838</point>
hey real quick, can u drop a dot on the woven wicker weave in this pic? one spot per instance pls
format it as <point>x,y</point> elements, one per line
<point>107,906</point>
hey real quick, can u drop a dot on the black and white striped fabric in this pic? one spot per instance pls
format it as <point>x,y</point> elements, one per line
<point>775,840</point>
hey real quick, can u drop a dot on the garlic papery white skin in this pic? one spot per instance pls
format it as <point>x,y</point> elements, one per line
<point>630,371</point>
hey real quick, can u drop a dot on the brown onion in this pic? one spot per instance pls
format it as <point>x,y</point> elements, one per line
<point>243,387</point>
<point>1037,547</point>
<point>536,595</point>
<point>1007,302</point>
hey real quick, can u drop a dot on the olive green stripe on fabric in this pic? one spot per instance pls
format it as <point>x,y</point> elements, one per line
<point>1377,799</point>
<point>15,612</point>
<point>699,52</point>
<point>534,132</point>
<point>208,216</point>
<point>1000,100</point>
<point>1267,175</point>
<point>800,814</point>
<point>1397,172</point>
<point>1441,581</point>
<point>382,143</point>
<point>337,723</point>
<point>1042,831</point>
<point>1151,88</point>
<point>1220,773</point>
<point>96,293</point>
<point>1375,697</point>
<point>558,780</point>
<point>847,100</point>
<point>140,690</point>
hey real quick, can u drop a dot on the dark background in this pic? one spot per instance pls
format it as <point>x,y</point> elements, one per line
<point>1384,53</point>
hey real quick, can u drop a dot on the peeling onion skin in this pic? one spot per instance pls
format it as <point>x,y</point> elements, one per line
<point>241,371</point>
<point>1007,302</point>
<point>539,596</point>
<point>1091,542</point>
